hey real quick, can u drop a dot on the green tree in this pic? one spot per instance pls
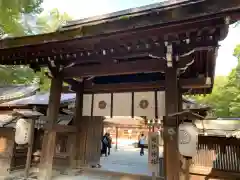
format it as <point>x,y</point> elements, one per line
<point>234,86</point>
<point>225,97</point>
<point>46,23</point>
<point>12,16</point>
<point>13,12</point>
<point>51,21</point>
<point>16,75</point>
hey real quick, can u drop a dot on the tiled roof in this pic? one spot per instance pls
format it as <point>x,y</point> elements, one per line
<point>12,92</point>
<point>27,113</point>
<point>40,99</point>
<point>193,104</point>
<point>6,117</point>
<point>40,122</point>
<point>218,128</point>
<point>128,12</point>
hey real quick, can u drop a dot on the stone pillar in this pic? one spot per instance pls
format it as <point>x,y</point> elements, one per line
<point>49,138</point>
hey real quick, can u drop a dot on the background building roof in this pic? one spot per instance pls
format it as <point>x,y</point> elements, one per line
<point>40,99</point>
<point>12,92</point>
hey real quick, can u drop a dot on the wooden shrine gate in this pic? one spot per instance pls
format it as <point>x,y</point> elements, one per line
<point>167,47</point>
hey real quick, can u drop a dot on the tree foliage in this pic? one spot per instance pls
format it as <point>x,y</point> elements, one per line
<point>225,97</point>
<point>13,15</point>
<point>51,21</point>
<point>46,23</point>
<point>12,18</point>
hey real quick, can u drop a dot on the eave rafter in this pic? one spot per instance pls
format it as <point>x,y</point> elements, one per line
<point>141,40</point>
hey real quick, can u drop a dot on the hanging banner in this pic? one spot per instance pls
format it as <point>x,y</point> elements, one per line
<point>153,152</point>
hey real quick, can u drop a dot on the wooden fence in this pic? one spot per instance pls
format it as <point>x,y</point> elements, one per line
<point>218,157</point>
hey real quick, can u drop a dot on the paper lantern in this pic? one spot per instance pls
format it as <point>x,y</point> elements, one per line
<point>23,130</point>
<point>187,139</point>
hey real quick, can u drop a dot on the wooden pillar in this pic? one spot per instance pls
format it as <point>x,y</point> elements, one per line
<point>171,154</point>
<point>76,144</point>
<point>30,149</point>
<point>6,151</point>
<point>49,138</point>
<point>116,142</point>
<point>90,136</point>
<point>93,146</point>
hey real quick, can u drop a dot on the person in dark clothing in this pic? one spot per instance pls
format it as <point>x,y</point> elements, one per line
<point>104,144</point>
<point>109,143</point>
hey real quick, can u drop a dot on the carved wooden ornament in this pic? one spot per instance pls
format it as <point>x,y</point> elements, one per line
<point>144,104</point>
<point>102,104</point>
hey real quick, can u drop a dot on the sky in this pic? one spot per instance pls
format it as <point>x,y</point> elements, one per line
<point>78,9</point>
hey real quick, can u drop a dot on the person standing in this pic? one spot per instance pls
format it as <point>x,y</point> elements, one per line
<point>109,143</point>
<point>141,144</point>
<point>104,144</point>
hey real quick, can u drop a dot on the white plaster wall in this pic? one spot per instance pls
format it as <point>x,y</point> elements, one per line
<point>122,104</point>
<point>149,112</point>
<point>87,104</point>
<point>161,103</point>
<point>102,97</point>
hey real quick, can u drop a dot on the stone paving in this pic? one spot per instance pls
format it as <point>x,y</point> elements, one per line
<point>124,164</point>
<point>126,161</point>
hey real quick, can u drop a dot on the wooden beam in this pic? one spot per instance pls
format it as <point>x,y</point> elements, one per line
<point>62,128</point>
<point>106,69</point>
<point>193,83</point>
<point>90,87</point>
<point>49,138</point>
